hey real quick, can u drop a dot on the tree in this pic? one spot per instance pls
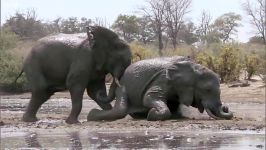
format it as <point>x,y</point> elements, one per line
<point>70,25</point>
<point>84,22</point>
<point>226,25</point>
<point>187,33</point>
<point>126,26</point>
<point>26,25</point>
<point>256,39</point>
<point>257,14</point>
<point>145,30</point>
<point>204,29</point>
<point>175,11</point>
<point>155,11</point>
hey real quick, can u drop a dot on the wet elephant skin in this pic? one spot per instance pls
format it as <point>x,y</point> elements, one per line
<point>154,89</point>
<point>75,62</point>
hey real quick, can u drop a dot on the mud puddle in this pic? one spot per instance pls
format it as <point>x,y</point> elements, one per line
<point>142,139</point>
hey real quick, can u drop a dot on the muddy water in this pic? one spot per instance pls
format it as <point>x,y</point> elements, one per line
<point>86,139</point>
<point>51,132</point>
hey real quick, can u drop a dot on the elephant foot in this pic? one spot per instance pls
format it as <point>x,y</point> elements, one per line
<point>92,116</point>
<point>27,118</point>
<point>72,121</point>
<point>155,115</point>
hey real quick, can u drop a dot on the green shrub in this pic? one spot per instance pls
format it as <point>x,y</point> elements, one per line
<point>10,65</point>
<point>251,64</point>
<point>228,64</point>
<point>225,62</point>
<point>10,68</point>
<point>8,39</point>
<point>206,60</point>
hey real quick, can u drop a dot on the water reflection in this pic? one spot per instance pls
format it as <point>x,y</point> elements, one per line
<point>145,140</point>
<point>138,141</point>
<point>75,141</point>
<point>32,141</point>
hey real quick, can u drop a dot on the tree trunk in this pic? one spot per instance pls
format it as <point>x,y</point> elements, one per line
<point>174,43</point>
<point>160,40</point>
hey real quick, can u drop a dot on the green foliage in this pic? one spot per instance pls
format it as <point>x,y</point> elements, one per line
<point>126,26</point>
<point>206,60</point>
<point>73,25</point>
<point>251,64</point>
<point>226,25</point>
<point>10,66</point>
<point>26,25</point>
<point>187,33</point>
<point>228,64</point>
<point>8,39</point>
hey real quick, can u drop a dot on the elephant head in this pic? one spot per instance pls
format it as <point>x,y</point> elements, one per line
<point>199,87</point>
<point>112,55</point>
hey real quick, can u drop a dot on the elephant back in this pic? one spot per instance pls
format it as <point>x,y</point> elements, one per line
<point>71,40</point>
<point>138,74</point>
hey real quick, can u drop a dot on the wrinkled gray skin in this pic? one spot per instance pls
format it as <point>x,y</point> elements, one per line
<point>155,88</point>
<point>75,62</point>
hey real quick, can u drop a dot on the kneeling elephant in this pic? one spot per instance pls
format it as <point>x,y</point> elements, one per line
<point>155,88</point>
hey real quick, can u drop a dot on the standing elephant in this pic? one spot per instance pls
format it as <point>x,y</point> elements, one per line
<point>154,89</point>
<point>75,62</point>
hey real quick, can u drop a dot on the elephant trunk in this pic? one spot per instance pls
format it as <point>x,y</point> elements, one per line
<point>220,113</point>
<point>111,95</point>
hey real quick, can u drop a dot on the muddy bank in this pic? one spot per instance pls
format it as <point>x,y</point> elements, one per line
<point>245,131</point>
<point>247,104</point>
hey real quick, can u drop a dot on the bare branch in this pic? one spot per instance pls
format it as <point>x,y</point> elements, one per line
<point>257,14</point>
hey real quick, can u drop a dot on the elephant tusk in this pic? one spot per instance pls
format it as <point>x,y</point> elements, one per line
<point>117,82</point>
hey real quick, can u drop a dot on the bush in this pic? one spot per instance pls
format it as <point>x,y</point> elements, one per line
<point>225,62</point>
<point>10,65</point>
<point>206,60</point>
<point>251,64</point>
<point>228,64</point>
<point>8,39</point>
<point>10,68</point>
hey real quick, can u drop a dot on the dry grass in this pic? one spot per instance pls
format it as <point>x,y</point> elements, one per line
<point>23,48</point>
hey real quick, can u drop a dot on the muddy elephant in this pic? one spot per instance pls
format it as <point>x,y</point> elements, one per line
<point>75,62</point>
<point>155,88</point>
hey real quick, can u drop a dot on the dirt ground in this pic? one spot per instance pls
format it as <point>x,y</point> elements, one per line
<point>247,104</point>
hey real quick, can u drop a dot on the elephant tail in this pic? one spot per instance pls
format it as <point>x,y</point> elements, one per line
<point>119,110</point>
<point>15,82</point>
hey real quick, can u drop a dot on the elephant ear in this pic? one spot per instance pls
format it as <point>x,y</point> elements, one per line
<point>98,52</point>
<point>181,76</point>
<point>90,36</point>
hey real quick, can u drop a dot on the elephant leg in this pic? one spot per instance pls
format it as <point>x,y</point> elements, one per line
<point>38,97</point>
<point>118,112</point>
<point>154,100</point>
<point>76,93</point>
